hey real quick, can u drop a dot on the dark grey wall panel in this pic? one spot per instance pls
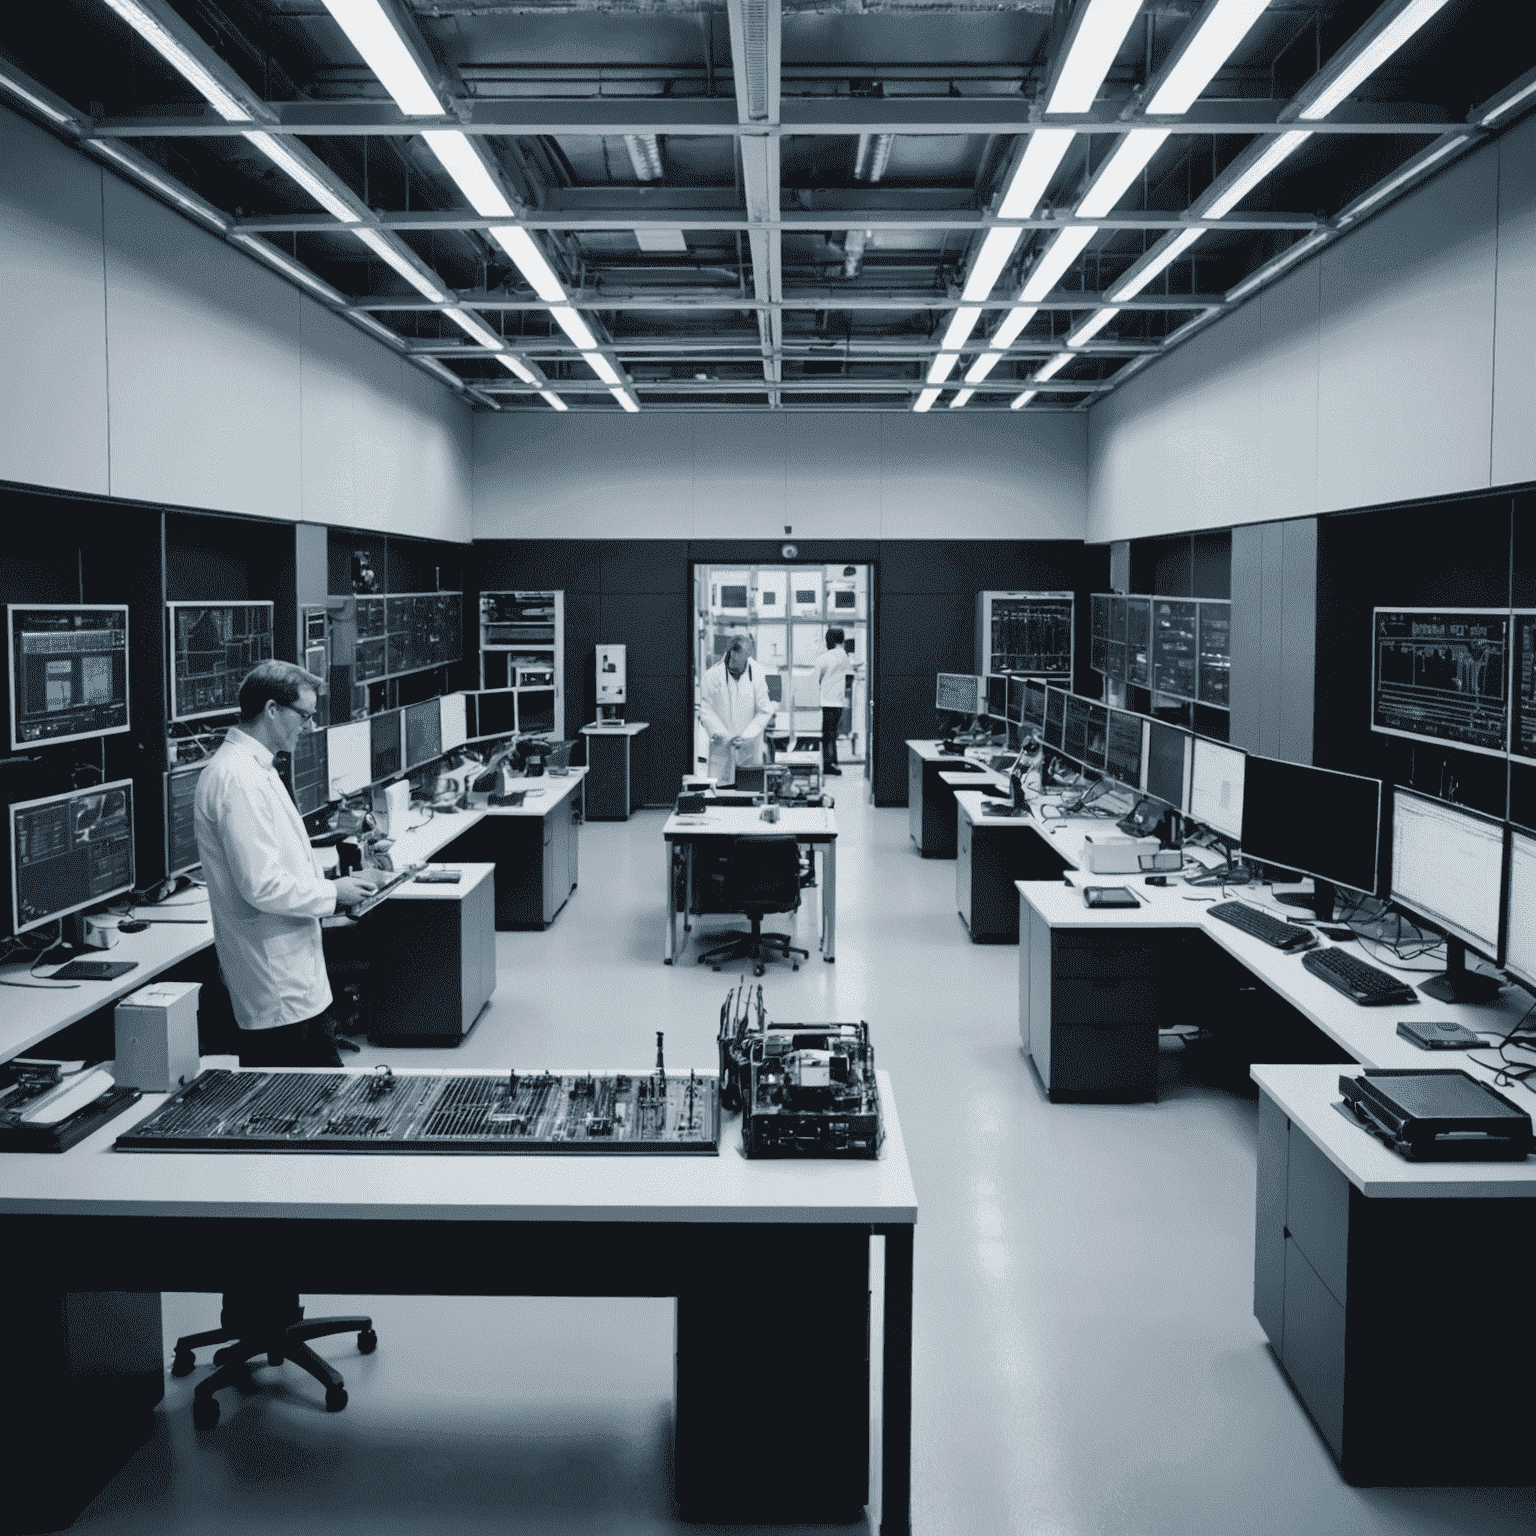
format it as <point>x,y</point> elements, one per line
<point>1271,598</point>
<point>1298,637</point>
<point>1248,674</point>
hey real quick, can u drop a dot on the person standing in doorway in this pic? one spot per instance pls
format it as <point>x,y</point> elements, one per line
<point>735,710</point>
<point>833,666</point>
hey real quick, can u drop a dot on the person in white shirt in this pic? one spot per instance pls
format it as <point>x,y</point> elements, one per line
<point>734,709</point>
<point>265,895</point>
<point>832,666</point>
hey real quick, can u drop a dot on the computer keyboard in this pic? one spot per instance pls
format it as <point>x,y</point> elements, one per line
<point>1368,985</point>
<point>1260,925</point>
<point>394,882</point>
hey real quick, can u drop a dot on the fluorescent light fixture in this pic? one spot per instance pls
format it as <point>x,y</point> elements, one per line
<point>1096,40</point>
<point>960,327</point>
<point>1020,401</point>
<point>574,327</point>
<point>147,172</point>
<point>1156,259</point>
<point>1013,322</point>
<point>1371,57</point>
<point>603,369</point>
<point>1041,156</point>
<point>519,367</point>
<point>551,399</point>
<point>924,401</point>
<point>1224,28</point>
<point>1415,167</point>
<point>462,161</point>
<point>651,238</point>
<point>280,155</point>
<point>993,256</point>
<point>626,399</point>
<point>982,367</point>
<point>1091,327</point>
<point>1050,367</point>
<point>1279,264</point>
<point>378,242</point>
<point>384,51</point>
<point>285,264</point>
<point>472,326</point>
<point>35,100</point>
<point>530,261</point>
<point>1054,260</point>
<point>1518,93</point>
<point>1124,165</point>
<point>158,34</point>
<point>961,398</point>
<point>1278,149</point>
<point>363,318</point>
<point>942,366</point>
<point>432,365</point>
<point>644,155</point>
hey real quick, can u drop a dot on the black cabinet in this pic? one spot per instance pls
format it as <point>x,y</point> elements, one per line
<point>931,802</point>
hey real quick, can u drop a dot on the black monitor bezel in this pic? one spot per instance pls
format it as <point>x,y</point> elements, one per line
<point>405,726</point>
<point>18,744</point>
<point>1451,929</point>
<point>374,722</point>
<point>193,770</point>
<point>1264,856</point>
<point>17,927</point>
<point>1186,737</point>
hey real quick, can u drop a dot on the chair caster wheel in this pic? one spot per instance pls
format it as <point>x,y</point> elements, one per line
<point>183,1364</point>
<point>795,966</point>
<point>335,1399</point>
<point>273,1357</point>
<point>223,1356</point>
<point>205,1412</point>
<point>757,970</point>
<point>367,1342</point>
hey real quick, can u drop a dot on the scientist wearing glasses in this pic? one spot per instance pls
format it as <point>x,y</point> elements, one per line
<point>265,893</point>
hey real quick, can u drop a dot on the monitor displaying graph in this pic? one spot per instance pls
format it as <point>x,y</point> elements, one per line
<point>69,672</point>
<point>1443,675</point>
<point>213,646</point>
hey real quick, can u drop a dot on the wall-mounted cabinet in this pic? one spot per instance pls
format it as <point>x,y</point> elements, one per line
<point>373,638</point>
<point>1178,647</point>
<point>522,647</point>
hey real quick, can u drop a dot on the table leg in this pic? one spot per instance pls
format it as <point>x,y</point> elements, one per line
<point>829,901</point>
<point>669,886</point>
<point>896,1388</point>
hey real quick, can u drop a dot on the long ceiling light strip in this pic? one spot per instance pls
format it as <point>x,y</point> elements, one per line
<point>1050,367</point>
<point>142,169</point>
<point>1020,401</point>
<point>1002,338</point>
<point>379,243</point>
<point>942,366</point>
<point>1212,41</point>
<point>459,157</point>
<point>384,51</point>
<point>284,157</point>
<point>432,365</point>
<point>285,264</point>
<point>1091,326</point>
<point>1054,260</point>
<point>363,318</point>
<point>924,401</point>
<point>961,398</point>
<point>551,399</point>
<point>997,246</point>
<point>603,369</point>
<point>1362,65</point>
<point>1098,29</point>
<point>1127,161</point>
<point>1516,92</point>
<point>531,262</point>
<point>54,108</point>
<point>1278,149</point>
<point>160,30</point>
<point>1415,167</point>
<point>627,400</point>
<point>959,328</point>
<point>574,327</point>
<point>1163,254</point>
<point>475,328</point>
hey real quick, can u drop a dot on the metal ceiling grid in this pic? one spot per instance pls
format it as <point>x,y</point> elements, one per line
<point>773,204</point>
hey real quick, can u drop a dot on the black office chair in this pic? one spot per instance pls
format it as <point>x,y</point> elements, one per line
<point>261,1323</point>
<point>752,876</point>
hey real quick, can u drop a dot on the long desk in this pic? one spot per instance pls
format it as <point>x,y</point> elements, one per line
<point>105,1232</point>
<point>930,801</point>
<point>991,853</point>
<point>806,825</point>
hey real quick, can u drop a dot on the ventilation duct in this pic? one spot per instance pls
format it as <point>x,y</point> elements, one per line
<point>644,155</point>
<point>874,154</point>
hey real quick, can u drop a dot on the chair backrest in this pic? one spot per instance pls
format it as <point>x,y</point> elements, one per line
<point>753,874</point>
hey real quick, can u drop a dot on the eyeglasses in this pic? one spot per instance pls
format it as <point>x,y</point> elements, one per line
<point>304,715</point>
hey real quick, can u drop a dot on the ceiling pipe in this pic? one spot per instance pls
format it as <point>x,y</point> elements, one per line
<point>853,251</point>
<point>645,155</point>
<point>872,157</point>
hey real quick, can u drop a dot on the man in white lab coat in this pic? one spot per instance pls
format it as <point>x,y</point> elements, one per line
<point>735,710</point>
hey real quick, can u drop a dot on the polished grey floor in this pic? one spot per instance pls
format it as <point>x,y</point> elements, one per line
<point>1086,1356</point>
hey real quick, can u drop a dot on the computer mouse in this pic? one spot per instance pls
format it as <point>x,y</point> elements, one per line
<point>132,927</point>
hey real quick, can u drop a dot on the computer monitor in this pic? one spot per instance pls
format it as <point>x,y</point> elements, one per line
<point>960,693</point>
<point>348,758</point>
<point>497,712</point>
<point>1168,764</point>
<point>1014,711</point>
<point>180,835</point>
<point>1096,718</point>
<point>69,852</point>
<point>1055,716</point>
<point>1449,867</point>
<point>455,722</point>
<point>69,672</point>
<point>213,646</point>
<point>1122,747</point>
<point>536,709</point>
<point>309,772</point>
<point>1520,925</point>
<point>1315,821</point>
<point>1074,731</point>
<point>423,732</point>
<point>1216,788</point>
<point>997,696</point>
<point>1034,704</point>
<point>385,757</point>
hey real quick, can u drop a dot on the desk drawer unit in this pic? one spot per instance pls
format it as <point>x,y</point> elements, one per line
<point>1378,1310</point>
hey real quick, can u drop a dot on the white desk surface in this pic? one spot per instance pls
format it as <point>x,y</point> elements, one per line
<point>930,753</point>
<point>806,822</point>
<point>544,794</point>
<point>93,1179</point>
<point>471,876</point>
<point>629,728</point>
<point>422,841</point>
<point>969,803</point>
<point>1308,1095</point>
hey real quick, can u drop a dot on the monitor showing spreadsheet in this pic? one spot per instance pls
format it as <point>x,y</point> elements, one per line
<point>69,852</point>
<point>1520,926</point>
<point>1168,764</point>
<point>455,723</point>
<point>1448,867</point>
<point>1216,787</point>
<point>347,754</point>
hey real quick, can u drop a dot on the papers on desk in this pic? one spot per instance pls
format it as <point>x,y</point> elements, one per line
<point>692,821</point>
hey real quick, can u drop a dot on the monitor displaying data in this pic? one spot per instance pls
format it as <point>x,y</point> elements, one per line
<point>1138,641</point>
<point>1313,820</point>
<point>960,693</point>
<point>213,646</point>
<point>1168,764</point>
<point>1097,720</point>
<point>180,834</point>
<point>69,852</point>
<point>1074,729</point>
<point>1029,632</point>
<point>423,732</point>
<point>997,697</point>
<point>455,725</point>
<point>1034,703</point>
<point>1122,748</point>
<point>309,772</point>
<point>1216,787</point>
<point>1055,712</point>
<point>1442,675</point>
<point>385,755</point>
<point>1520,946</point>
<point>1016,686</point>
<point>69,672</point>
<point>1522,733</point>
<point>348,758</point>
<point>1174,648</point>
<point>1448,867</point>
<point>498,712</point>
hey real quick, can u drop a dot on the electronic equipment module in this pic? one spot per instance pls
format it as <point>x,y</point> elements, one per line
<point>423,1111</point>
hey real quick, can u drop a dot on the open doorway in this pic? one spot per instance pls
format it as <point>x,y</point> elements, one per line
<point>785,612</point>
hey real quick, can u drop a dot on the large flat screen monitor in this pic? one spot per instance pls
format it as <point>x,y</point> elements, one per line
<point>180,834</point>
<point>960,693</point>
<point>1448,866</point>
<point>347,752</point>
<point>423,732</point>
<point>498,712</point>
<point>997,696</point>
<point>1216,788</point>
<point>1074,728</point>
<point>213,646</point>
<point>69,672</point>
<point>1096,718</point>
<point>536,709</point>
<point>385,755</point>
<point>69,852</point>
<point>1314,821</point>
<point>1015,699</point>
<point>1520,946</point>
<point>455,725</point>
<point>1055,714</point>
<point>1443,675</point>
<point>1168,764</point>
<point>309,772</point>
<point>1034,704</point>
<point>1122,748</point>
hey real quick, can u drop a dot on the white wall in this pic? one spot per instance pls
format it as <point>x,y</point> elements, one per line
<point>866,475</point>
<point>1398,363</point>
<point>142,357</point>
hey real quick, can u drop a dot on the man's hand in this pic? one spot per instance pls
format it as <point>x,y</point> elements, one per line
<point>350,890</point>
<point>718,738</point>
<point>371,877</point>
<point>736,741</point>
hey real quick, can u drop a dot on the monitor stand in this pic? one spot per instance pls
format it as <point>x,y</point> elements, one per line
<point>1457,984</point>
<point>1318,901</point>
